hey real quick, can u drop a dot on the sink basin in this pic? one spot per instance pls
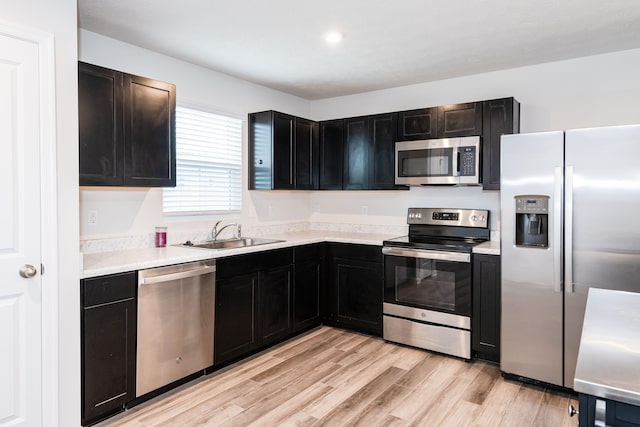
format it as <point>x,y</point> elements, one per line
<point>243,242</point>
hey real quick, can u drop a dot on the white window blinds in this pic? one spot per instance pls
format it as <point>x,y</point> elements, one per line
<point>208,164</point>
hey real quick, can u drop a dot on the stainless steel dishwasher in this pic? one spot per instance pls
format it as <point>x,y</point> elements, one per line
<point>175,323</point>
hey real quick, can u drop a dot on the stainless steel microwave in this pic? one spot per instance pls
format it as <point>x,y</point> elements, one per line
<point>452,161</point>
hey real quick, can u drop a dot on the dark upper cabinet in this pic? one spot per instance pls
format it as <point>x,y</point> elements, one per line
<point>485,334</point>
<point>460,120</point>
<point>108,355</point>
<point>368,153</point>
<point>283,152</point>
<point>101,130</point>
<point>149,132</point>
<point>355,287</point>
<point>382,136</point>
<point>306,154</point>
<point>356,154</point>
<point>126,129</point>
<point>417,124</point>
<point>500,117</point>
<point>331,154</point>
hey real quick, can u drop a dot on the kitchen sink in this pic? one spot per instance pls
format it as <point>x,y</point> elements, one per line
<point>242,242</point>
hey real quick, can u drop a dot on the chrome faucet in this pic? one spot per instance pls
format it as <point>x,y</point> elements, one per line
<point>215,232</point>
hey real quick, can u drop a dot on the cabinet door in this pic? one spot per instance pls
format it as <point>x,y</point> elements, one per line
<point>382,134</point>
<point>235,317</point>
<point>359,295</point>
<point>306,154</point>
<point>101,132</point>
<point>306,294</point>
<point>331,154</point>
<point>108,357</point>
<point>283,155</point>
<point>500,117</point>
<point>356,154</point>
<point>275,305</point>
<point>486,307</point>
<point>460,120</point>
<point>417,124</point>
<point>149,134</point>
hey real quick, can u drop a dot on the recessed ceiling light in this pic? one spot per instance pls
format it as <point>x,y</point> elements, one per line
<point>334,37</point>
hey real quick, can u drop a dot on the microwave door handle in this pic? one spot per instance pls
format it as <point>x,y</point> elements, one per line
<point>458,162</point>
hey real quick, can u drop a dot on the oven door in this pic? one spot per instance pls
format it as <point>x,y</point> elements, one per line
<point>431,280</point>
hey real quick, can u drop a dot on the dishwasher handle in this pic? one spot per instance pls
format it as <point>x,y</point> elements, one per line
<point>177,276</point>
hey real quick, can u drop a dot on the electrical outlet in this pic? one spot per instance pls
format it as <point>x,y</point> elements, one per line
<point>364,210</point>
<point>92,217</point>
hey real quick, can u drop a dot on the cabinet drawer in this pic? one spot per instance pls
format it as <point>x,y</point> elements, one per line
<point>251,263</point>
<point>313,252</point>
<point>104,289</point>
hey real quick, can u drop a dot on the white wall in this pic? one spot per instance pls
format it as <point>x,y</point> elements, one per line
<point>131,211</point>
<point>584,92</point>
<point>59,19</point>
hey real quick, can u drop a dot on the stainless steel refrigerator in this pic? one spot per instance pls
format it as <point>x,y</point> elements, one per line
<point>570,220</point>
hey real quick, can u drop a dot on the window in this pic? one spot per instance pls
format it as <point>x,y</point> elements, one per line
<point>208,164</point>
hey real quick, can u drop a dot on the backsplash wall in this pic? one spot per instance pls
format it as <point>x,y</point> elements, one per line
<point>591,91</point>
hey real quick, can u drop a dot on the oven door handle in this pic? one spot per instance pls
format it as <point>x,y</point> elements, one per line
<point>426,254</point>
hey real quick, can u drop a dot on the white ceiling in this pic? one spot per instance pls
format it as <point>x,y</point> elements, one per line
<point>280,43</point>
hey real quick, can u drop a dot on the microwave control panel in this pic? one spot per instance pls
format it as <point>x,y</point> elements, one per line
<point>467,161</point>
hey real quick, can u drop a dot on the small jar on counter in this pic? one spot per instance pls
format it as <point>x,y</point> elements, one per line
<point>161,237</point>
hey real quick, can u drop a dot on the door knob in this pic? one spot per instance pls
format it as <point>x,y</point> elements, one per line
<point>27,271</point>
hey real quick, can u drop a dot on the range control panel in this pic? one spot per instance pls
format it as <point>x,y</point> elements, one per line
<point>450,217</point>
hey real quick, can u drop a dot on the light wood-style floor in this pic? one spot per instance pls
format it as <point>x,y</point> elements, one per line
<point>331,377</point>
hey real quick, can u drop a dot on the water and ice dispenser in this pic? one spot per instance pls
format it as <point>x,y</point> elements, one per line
<point>532,221</point>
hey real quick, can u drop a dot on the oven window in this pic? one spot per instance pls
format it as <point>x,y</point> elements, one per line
<point>431,162</point>
<point>427,283</point>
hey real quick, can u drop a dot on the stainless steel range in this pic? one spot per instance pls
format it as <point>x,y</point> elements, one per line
<point>427,279</point>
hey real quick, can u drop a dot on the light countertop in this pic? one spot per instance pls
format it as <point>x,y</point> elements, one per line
<point>609,356</point>
<point>491,247</point>
<point>102,263</point>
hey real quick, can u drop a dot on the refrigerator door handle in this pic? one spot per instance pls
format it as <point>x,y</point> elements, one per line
<point>568,230</point>
<point>557,231</point>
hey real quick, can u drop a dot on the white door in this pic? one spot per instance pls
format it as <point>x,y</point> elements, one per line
<point>20,297</point>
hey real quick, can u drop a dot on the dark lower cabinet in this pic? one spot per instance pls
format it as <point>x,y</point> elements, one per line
<point>275,305</point>
<point>499,117</point>
<point>253,303</point>
<point>307,286</point>
<point>108,363</point>
<point>235,316</point>
<point>616,414</point>
<point>355,288</point>
<point>485,328</point>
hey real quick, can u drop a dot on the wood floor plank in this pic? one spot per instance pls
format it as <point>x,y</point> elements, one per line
<point>351,407</point>
<point>331,377</point>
